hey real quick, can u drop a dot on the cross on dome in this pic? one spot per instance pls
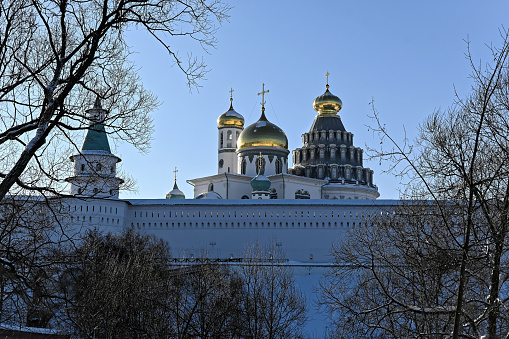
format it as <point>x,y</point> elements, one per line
<point>260,163</point>
<point>175,171</point>
<point>262,93</point>
<point>231,94</point>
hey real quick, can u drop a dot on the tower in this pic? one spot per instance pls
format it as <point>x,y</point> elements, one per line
<point>230,125</point>
<point>267,138</point>
<point>95,167</point>
<point>328,153</point>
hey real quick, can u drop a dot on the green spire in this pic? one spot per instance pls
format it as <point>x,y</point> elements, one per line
<point>96,138</point>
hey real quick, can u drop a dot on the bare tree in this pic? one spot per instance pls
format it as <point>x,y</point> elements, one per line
<point>459,165</point>
<point>272,307</point>
<point>114,286</point>
<point>205,301</point>
<point>27,242</point>
<point>57,56</point>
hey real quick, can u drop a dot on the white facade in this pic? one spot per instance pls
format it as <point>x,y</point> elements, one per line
<point>304,229</point>
<point>95,175</point>
<point>227,145</point>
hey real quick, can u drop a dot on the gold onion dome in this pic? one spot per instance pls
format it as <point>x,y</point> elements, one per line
<point>230,118</point>
<point>263,134</point>
<point>327,103</point>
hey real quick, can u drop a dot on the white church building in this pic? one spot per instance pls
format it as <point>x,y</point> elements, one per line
<point>256,195</point>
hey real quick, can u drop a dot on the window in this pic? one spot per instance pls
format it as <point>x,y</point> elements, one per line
<point>211,187</point>
<point>221,140</point>
<point>98,167</point>
<point>278,166</point>
<point>221,163</point>
<point>229,138</point>
<point>83,167</point>
<point>243,166</point>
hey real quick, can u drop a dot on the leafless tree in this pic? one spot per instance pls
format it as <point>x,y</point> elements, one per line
<point>27,241</point>
<point>272,306</point>
<point>205,301</point>
<point>460,166</point>
<point>57,56</point>
<point>113,286</point>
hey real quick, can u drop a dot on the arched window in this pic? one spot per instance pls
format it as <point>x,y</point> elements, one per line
<point>229,138</point>
<point>243,166</point>
<point>221,140</point>
<point>211,187</point>
<point>278,166</point>
<point>98,167</point>
<point>83,167</point>
<point>245,197</point>
<point>236,138</point>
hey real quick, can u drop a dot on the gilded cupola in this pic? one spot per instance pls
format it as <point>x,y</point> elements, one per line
<point>327,103</point>
<point>263,133</point>
<point>230,118</point>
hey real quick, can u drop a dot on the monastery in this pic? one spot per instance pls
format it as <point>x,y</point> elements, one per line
<point>256,195</point>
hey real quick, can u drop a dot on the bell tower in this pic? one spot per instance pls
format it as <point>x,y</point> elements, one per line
<point>229,126</point>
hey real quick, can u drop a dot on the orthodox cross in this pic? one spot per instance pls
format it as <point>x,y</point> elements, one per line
<point>327,75</point>
<point>263,94</point>
<point>231,93</point>
<point>175,171</point>
<point>260,164</point>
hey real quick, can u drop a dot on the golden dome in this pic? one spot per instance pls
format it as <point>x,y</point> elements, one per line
<point>327,103</point>
<point>230,118</point>
<point>262,134</point>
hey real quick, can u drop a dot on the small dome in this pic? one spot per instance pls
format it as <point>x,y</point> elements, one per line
<point>230,118</point>
<point>175,193</point>
<point>263,133</point>
<point>208,195</point>
<point>327,103</point>
<point>260,183</point>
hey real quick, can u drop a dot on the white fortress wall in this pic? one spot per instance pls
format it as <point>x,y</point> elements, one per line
<point>304,229</point>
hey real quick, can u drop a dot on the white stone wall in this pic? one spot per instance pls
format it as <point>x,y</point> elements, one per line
<point>304,229</point>
<point>286,186</point>
<point>103,214</point>
<point>237,185</point>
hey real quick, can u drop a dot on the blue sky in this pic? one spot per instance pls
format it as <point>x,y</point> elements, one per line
<point>407,56</point>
